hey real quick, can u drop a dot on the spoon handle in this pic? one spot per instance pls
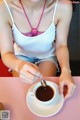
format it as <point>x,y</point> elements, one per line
<point>43,82</point>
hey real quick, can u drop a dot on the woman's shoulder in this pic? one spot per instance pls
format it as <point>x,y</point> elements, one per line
<point>65,5</point>
<point>4,15</point>
<point>64,8</point>
<point>3,5</point>
<point>2,10</point>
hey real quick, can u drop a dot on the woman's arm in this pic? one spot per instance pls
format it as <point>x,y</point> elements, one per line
<point>6,40</point>
<point>26,70</point>
<point>62,35</point>
<point>62,49</point>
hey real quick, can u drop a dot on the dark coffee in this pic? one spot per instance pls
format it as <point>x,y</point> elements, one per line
<point>44,93</point>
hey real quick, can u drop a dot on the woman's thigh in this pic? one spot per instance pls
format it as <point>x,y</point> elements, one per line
<point>47,68</point>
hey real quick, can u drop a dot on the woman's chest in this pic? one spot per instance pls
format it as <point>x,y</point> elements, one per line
<point>23,23</point>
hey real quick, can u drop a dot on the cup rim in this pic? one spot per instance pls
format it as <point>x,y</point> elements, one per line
<point>53,88</point>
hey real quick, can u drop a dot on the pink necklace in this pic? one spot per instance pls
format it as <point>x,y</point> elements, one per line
<point>34,31</point>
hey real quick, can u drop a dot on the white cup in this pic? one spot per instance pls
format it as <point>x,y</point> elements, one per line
<point>53,100</point>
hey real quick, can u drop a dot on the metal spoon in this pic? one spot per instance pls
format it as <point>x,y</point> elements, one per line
<point>43,82</point>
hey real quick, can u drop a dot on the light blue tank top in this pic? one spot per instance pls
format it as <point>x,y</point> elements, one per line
<point>41,46</point>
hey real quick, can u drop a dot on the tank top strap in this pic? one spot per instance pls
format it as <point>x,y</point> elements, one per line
<point>7,6</point>
<point>55,9</point>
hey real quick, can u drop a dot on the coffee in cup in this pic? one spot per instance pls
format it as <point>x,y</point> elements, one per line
<point>44,93</point>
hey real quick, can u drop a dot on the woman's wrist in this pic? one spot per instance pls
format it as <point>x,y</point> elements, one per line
<point>18,64</point>
<point>65,70</point>
<point>16,67</point>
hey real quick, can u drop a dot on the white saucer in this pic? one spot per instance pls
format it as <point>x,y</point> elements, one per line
<point>43,111</point>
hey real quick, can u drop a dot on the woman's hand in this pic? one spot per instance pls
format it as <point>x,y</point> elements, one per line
<point>66,80</point>
<point>28,72</point>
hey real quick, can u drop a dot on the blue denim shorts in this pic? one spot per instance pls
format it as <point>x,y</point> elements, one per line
<point>37,60</point>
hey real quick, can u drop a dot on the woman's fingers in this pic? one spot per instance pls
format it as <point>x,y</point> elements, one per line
<point>61,87</point>
<point>28,77</point>
<point>71,87</point>
<point>25,79</point>
<point>32,70</point>
<point>28,72</point>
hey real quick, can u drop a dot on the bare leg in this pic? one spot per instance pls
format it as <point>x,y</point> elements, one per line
<point>47,68</point>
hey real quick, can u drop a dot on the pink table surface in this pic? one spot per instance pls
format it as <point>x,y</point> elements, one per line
<point>13,95</point>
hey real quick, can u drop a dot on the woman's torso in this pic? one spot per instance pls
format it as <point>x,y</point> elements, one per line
<point>39,46</point>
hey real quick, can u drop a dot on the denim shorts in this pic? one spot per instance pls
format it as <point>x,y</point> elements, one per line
<point>37,60</point>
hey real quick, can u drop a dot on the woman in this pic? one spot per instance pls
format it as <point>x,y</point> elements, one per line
<point>28,29</point>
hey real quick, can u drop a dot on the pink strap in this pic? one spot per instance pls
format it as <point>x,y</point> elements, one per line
<point>28,18</point>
